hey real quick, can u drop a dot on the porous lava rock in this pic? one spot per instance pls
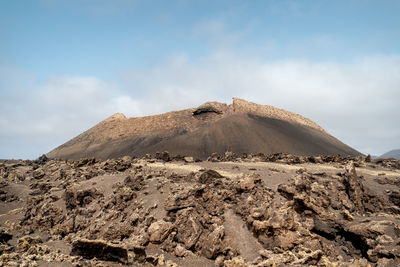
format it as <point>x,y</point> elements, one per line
<point>100,249</point>
<point>239,210</point>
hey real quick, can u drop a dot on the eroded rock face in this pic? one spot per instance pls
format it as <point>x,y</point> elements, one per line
<point>376,238</point>
<point>159,230</point>
<point>89,212</point>
<point>337,209</point>
<point>209,176</point>
<point>27,242</point>
<point>5,235</point>
<point>100,249</point>
<point>210,107</point>
<point>362,198</point>
<point>163,156</point>
<point>80,198</point>
<point>189,227</point>
<point>213,243</point>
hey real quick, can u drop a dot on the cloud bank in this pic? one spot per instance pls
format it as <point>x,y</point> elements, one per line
<point>357,102</point>
<point>34,121</point>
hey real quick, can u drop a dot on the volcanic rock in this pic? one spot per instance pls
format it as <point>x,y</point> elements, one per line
<point>240,210</point>
<point>188,159</point>
<point>5,235</point>
<point>241,127</point>
<point>159,230</point>
<point>189,227</point>
<point>99,249</point>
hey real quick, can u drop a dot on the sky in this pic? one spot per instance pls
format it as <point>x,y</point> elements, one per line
<point>66,65</point>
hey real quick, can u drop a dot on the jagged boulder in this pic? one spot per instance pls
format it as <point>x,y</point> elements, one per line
<point>159,230</point>
<point>376,238</point>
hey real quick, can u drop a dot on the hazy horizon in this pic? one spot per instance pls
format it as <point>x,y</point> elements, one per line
<point>67,65</point>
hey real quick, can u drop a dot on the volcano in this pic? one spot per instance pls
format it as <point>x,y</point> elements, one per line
<point>241,127</point>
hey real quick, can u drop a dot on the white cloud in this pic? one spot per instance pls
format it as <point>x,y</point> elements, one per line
<point>357,102</point>
<point>56,110</point>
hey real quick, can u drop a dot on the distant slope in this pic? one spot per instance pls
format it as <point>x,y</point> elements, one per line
<point>212,127</point>
<point>392,154</point>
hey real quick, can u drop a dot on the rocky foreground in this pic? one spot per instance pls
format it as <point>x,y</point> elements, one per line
<point>260,210</point>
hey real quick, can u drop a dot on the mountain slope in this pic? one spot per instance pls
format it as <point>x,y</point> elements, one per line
<point>392,154</point>
<point>241,127</point>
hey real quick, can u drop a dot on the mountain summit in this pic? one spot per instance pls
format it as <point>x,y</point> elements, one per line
<point>241,127</point>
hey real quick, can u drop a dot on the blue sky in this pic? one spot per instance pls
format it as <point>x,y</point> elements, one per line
<point>104,38</point>
<point>65,65</point>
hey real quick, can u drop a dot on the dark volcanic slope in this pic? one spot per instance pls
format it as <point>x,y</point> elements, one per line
<point>242,127</point>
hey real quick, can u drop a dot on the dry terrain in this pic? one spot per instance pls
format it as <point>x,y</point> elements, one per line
<point>229,210</point>
<point>242,127</point>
